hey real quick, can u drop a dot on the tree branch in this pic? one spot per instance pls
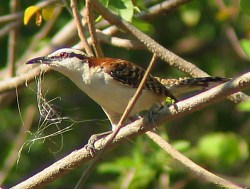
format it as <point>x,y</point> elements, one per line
<point>185,107</point>
<point>198,170</point>
<point>92,30</point>
<point>12,42</point>
<point>80,27</point>
<point>119,42</point>
<point>162,7</point>
<point>231,35</point>
<point>11,17</point>
<point>15,82</point>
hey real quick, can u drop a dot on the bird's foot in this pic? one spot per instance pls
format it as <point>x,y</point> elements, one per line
<point>91,142</point>
<point>152,113</point>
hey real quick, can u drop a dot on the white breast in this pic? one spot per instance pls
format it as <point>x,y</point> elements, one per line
<point>107,92</point>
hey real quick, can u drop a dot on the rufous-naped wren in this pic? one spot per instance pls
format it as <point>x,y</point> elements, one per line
<point>112,82</point>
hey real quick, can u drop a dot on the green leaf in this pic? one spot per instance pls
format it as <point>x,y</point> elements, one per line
<point>244,106</point>
<point>142,177</point>
<point>123,8</point>
<point>220,149</point>
<point>116,166</point>
<point>143,26</point>
<point>245,44</point>
<point>190,16</point>
<point>245,6</point>
<point>182,145</point>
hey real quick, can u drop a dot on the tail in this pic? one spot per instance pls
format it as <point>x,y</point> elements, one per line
<point>183,86</point>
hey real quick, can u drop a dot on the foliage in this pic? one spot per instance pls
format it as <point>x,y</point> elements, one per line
<point>222,150</point>
<point>245,43</point>
<point>244,5</point>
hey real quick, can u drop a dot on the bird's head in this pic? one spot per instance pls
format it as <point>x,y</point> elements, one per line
<point>62,60</point>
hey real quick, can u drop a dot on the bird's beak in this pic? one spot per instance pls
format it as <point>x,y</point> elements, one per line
<point>40,60</point>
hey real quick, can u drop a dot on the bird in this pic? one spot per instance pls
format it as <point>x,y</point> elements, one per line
<point>112,82</point>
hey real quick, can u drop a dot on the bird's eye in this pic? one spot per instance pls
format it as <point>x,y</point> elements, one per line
<point>63,55</point>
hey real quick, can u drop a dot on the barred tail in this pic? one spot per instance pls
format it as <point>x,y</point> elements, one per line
<point>180,87</point>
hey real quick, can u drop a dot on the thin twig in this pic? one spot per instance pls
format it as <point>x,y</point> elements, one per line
<point>231,35</point>
<point>12,42</point>
<point>46,3</point>
<point>11,17</point>
<point>125,115</point>
<point>79,157</point>
<point>203,173</point>
<point>6,29</point>
<point>92,30</point>
<point>161,8</point>
<point>73,5</point>
<point>119,42</point>
<point>15,82</point>
<point>136,95</point>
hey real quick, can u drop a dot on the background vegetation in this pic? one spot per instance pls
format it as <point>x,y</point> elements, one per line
<point>207,33</point>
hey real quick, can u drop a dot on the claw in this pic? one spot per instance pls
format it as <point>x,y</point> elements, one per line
<point>151,115</point>
<point>91,142</point>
